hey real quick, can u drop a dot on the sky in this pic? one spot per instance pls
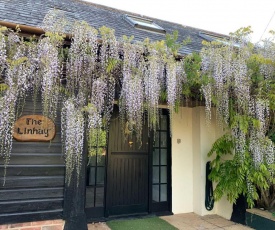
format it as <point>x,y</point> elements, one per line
<point>220,16</point>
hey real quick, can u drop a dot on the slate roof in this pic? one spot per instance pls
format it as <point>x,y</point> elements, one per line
<point>32,12</point>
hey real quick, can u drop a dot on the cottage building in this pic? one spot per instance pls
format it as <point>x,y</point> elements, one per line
<point>164,175</point>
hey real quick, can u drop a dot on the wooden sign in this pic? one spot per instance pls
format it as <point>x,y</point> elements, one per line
<point>34,128</point>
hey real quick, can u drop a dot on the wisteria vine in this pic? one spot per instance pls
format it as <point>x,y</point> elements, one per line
<point>84,79</point>
<point>97,70</point>
<point>240,85</point>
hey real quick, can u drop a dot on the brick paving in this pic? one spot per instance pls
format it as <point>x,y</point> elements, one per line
<point>192,221</point>
<point>98,226</point>
<point>37,225</point>
<point>186,221</point>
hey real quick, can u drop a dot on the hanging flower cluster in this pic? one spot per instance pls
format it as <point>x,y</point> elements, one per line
<point>132,93</point>
<point>15,71</point>
<point>207,92</point>
<point>3,51</point>
<point>72,126</point>
<point>95,108</point>
<point>261,147</point>
<point>218,63</point>
<point>108,69</point>
<point>154,82</point>
<point>55,22</point>
<point>81,63</point>
<point>109,49</point>
<point>49,71</point>
<point>174,81</point>
<point>267,50</point>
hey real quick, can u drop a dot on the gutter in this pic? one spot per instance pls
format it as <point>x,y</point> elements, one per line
<point>31,29</point>
<point>23,28</point>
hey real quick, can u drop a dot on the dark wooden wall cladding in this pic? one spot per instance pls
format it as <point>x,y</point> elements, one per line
<point>34,188</point>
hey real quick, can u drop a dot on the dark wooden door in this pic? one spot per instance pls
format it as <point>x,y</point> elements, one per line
<point>128,183</point>
<point>127,172</point>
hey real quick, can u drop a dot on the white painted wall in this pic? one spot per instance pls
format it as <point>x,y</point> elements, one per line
<point>189,159</point>
<point>182,162</point>
<point>197,169</point>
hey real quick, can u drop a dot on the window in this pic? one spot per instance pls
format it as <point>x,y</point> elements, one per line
<point>211,37</point>
<point>145,24</point>
<point>219,38</point>
<point>96,171</point>
<point>160,162</point>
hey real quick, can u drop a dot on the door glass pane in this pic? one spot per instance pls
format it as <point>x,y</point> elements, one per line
<point>163,174</point>
<point>100,175</point>
<point>163,157</point>
<point>163,122</point>
<point>89,197</point>
<point>156,142</point>
<point>163,139</point>
<point>92,158</point>
<point>156,157</point>
<point>155,193</point>
<point>163,192</point>
<point>155,174</point>
<point>99,196</point>
<point>92,176</point>
<point>101,156</point>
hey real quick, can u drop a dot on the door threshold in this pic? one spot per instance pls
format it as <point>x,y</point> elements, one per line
<point>130,216</point>
<point>164,213</point>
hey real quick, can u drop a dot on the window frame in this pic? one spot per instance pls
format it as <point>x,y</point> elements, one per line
<point>140,23</point>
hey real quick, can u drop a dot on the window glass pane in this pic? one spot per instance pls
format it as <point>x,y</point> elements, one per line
<point>163,192</point>
<point>163,174</point>
<point>89,197</point>
<point>100,175</point>
<point>92,176</point>
<point>156,157</point>
<point>156,142</point>
<point>99,197</point>
<point>163,122</point>
<point>155,174</point>
<point>151,25</point>
<point>101,156</point>
<point>155,193</point>
<point>163,139</point>
<point>143,22</point>
<point>92,158</point>
<point>163,156</point>
<point>98,138</point>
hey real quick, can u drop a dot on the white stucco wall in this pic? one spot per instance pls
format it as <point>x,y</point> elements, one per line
<point>189,159</point>
<point>182,162</point>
